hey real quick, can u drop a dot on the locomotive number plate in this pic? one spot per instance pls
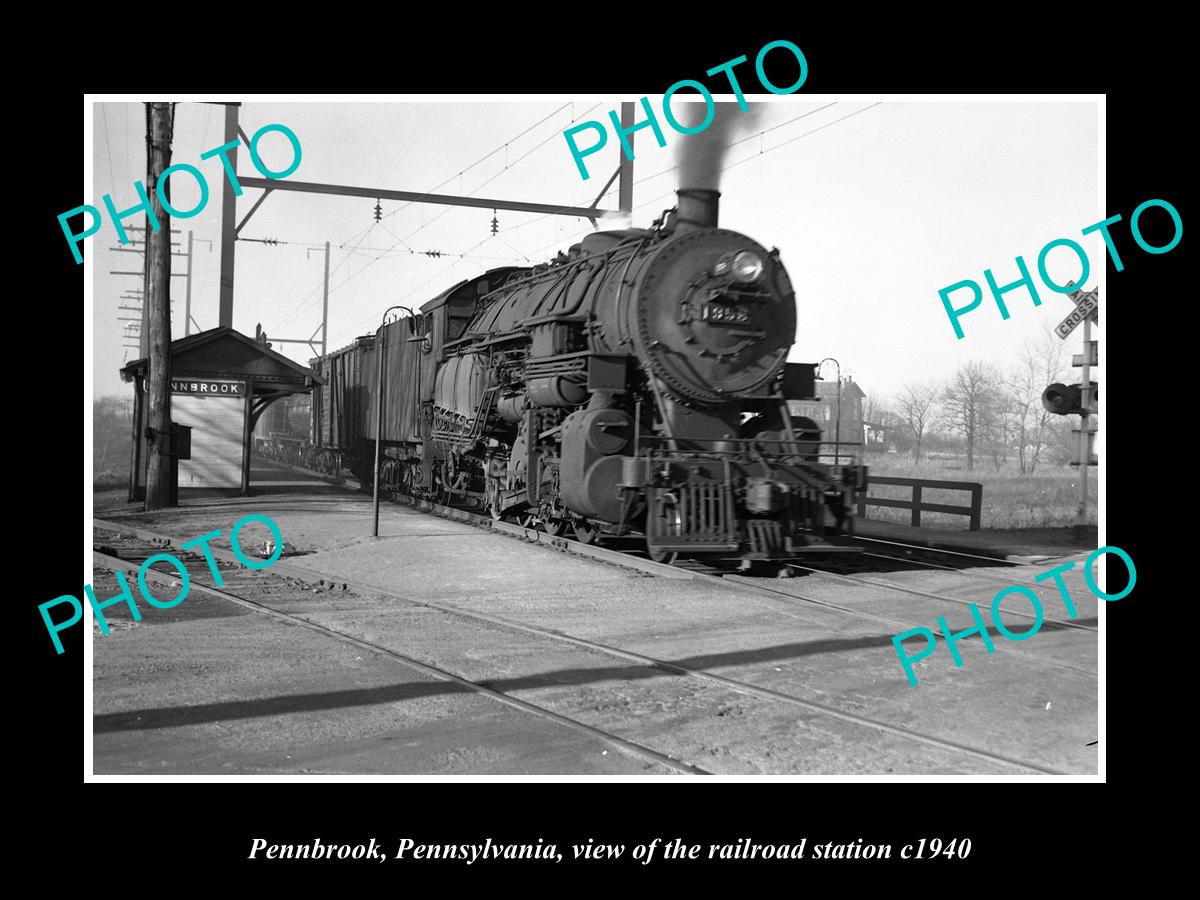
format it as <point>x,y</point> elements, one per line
<point>720,314</point>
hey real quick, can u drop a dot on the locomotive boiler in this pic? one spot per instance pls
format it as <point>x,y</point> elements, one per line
<point>637,383</point>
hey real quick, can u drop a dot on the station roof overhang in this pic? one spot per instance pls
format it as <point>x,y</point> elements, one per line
<point>227,354</point>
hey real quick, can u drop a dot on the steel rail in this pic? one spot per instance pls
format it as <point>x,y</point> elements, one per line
<point>1065,623</point>
<point>700,674</point>
<point>634,749</point>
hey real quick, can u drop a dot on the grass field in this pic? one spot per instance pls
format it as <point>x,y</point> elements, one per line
<point>1046,499</point>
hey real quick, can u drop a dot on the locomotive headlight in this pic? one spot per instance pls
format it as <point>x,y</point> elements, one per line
<point>747,267</point>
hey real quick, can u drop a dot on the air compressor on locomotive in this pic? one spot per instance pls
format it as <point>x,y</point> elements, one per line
<point>637,383</point>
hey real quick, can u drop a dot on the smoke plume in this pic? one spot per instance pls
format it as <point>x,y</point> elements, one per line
<point>700,157</point>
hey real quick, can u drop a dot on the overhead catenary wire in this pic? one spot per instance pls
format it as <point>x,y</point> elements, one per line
<point>108,147</point>
<point>757,155</point>
<point>671,169</point>
<point>485,157</point>
<point>490,180</point>
<point>310,299</point>
<point>404,147</point>
<point>465,256</point>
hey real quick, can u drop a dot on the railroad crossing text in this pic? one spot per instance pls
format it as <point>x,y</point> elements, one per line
<point>125,596</point>
<point>651,121</point>
<point>1026,280</point>
<point>981,627</point>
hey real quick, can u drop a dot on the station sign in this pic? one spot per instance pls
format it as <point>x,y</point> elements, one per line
<point>208,387</point>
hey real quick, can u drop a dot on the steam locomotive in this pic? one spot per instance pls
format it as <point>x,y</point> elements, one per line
<point>637,383</point>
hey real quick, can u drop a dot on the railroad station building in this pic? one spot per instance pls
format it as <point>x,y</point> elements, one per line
<point>221,381</point>
<point>842,418</point>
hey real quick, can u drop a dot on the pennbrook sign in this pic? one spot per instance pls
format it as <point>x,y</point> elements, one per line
<point>207,386</point>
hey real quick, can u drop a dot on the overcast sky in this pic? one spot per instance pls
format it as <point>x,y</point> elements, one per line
<point>874,209</point>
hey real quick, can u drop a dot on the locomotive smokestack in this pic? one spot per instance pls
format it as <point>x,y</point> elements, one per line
<point>701,156</point>
<point>697,208</point>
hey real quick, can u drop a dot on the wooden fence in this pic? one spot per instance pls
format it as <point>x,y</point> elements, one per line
<point>917,505</point>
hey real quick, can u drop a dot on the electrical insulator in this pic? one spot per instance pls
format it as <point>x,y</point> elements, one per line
<point>378,212</point>
<point>495,223</point>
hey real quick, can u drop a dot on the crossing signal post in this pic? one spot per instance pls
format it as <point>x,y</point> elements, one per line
<point>1080,399</point>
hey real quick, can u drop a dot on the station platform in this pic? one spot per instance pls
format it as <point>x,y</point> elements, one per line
<point>806,680</point>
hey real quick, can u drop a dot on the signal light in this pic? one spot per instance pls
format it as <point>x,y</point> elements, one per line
<point>1067,400</point>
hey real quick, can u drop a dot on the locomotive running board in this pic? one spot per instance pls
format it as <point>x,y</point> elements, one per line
<point>825,548</point>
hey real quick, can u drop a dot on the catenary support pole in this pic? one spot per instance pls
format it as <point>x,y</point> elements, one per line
<point>228,223</point>
<point>187,305</point>
<point>325,304</point>
<point>378,424</point>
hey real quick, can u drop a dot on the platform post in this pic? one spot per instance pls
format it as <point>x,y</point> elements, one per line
<point>247,435</point>
<point>135,462</point>
<point>379,361</point>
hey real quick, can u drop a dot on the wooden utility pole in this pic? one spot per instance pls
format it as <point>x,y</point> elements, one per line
<point>159,125</point>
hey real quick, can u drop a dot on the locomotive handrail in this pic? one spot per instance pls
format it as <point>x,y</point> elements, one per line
<point>753,440</point>
<point>442,438</point>
<point>743,448</point>
<point>535,275</point>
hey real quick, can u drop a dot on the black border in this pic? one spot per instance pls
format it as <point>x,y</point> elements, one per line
<point>1137,65</point>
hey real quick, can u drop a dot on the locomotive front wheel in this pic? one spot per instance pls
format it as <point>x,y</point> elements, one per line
<point>585,533</point>
<point>492,491</point>
<point>662,556</point>
<point>555,527</point>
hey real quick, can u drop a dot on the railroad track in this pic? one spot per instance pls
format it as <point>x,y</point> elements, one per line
<point>946,598</point>
<point>126,564</point>
<point>701,571</point>
<point>287,567</point>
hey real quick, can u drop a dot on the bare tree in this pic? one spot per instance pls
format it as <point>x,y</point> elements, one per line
<point>916,405</point>
<point>971,402</point>
<point>878,419</point>
<point>874,409</point>
<point>1040,363</point>
<point>999,429</point>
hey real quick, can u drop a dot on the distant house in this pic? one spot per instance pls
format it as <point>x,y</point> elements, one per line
<point>824,411</point>
<point>876,435</point>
